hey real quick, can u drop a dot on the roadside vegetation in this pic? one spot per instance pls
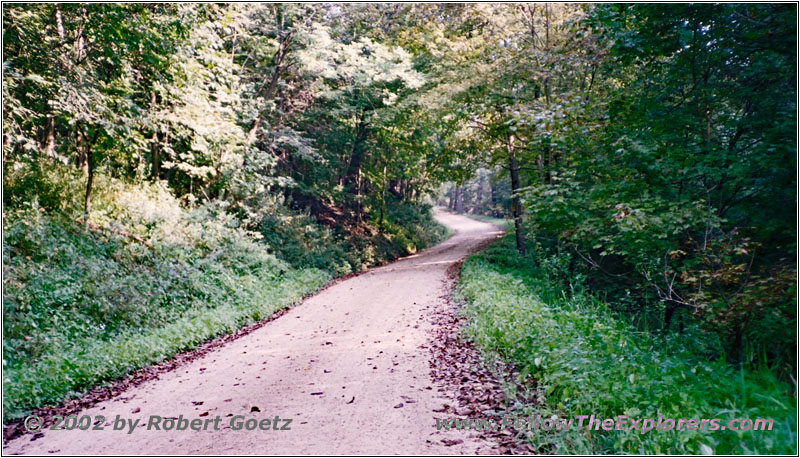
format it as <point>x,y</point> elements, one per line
<point>175,171</point>
<point>500,222</point>
<point>152,278</point>
<point>647,157</point>
<point>580,357</point>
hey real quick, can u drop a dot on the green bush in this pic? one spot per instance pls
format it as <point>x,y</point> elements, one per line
<point>153,276</point>
<point>82,308</point>
<point>301,240</point>
<point>586,360</point>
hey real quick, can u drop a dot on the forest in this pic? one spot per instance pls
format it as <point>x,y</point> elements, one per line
<point>173,172</point>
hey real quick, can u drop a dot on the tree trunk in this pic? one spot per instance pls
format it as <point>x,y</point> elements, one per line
<point>548,154</point>
<point>353,176</point>
<point>277,59</point>
<point>383,200</point>
<point>516,207</point>
<point>451,204</point>
<point>459,200</point>
<point>155,164</point>
<point>493,197</point>
<point>87,202</point>
<point>669,312</point>
<point>90,167</point>
<point>479,194</point>
<point>80,143</point>
<point>354,166</point>
<point>155,169</point>
<point>50,137</point>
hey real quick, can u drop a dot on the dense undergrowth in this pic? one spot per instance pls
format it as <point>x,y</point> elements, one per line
<point>586,359</point>
<point>153,276</point>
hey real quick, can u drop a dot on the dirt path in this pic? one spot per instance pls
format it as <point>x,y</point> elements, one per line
<point>349,366</point>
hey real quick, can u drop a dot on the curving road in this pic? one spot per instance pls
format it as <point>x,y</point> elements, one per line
<point>349,367</point>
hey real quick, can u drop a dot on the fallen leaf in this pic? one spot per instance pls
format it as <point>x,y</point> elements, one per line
<point>451,442</point>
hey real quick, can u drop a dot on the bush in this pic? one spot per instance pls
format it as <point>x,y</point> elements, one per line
<point>662,258</point>
<point>588,360</point>
<point>300,239</point>
<point>153,276</point>
<point>83,308</point>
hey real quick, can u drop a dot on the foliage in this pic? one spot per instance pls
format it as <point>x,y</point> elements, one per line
<point>80,309</point>
<point>585,359</point>
<point>154,278</point>
<point>302,240</point>
<point>689,215</point>
<point>654,142</point>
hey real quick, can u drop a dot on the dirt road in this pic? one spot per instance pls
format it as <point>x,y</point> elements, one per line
<point>349,367</point>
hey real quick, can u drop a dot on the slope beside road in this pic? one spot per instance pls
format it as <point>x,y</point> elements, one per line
<point>349,366</point>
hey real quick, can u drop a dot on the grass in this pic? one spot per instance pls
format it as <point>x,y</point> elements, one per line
<point>81,309</point>
<point>504,223</point>
<point>501,222</point>
<point>587,360</point>
<point>84,308</point>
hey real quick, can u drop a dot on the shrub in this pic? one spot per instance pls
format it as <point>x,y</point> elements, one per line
<point>153,276</point>
<point>83,308</point>
<point>586,359</point>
